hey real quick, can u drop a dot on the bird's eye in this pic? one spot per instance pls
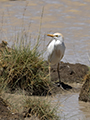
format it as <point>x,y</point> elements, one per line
<point>56,35</point>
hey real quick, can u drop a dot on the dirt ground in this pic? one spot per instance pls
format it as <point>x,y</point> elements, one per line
<point>5,113</point>
<point>69,74</point>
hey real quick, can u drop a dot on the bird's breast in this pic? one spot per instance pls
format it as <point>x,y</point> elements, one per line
<point>55,51</point>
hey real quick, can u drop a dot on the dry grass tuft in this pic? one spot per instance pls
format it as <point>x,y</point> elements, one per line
<point>22,67</point>
<point>40,108</point>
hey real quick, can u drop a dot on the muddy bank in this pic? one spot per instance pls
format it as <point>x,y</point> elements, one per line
<point>70,74</point>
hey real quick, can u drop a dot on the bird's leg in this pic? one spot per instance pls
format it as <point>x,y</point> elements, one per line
<point>58,74</point>
<point>49,72</point>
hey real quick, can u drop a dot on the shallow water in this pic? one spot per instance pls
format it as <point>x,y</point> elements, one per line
<point>69,108</point>
<point>71,18</point>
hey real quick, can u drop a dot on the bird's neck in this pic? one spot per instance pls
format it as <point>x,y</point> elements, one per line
<point>60,39</point>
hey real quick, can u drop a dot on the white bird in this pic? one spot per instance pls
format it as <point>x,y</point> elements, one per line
<point>55,50</point>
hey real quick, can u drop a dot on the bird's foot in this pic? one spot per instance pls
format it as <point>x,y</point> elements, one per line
<point>64,86</point>
<point>60,85</point>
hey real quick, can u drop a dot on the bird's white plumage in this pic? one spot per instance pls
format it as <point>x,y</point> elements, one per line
<point>56,48</point>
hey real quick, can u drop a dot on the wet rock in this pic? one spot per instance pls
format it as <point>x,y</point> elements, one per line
<point>85,91</point>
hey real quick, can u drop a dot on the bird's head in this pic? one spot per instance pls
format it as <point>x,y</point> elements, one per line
<point>56,36</point>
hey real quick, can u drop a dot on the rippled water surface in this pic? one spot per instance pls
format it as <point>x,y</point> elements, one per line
<point>72,109</point>
<point>70,17</point>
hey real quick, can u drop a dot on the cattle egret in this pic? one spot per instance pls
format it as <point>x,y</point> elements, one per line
<point>55,50</point>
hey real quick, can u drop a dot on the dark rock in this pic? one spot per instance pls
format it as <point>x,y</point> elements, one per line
<point>85,91</point>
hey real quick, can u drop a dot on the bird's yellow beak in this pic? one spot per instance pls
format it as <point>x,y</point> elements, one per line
<point>51,35</point>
